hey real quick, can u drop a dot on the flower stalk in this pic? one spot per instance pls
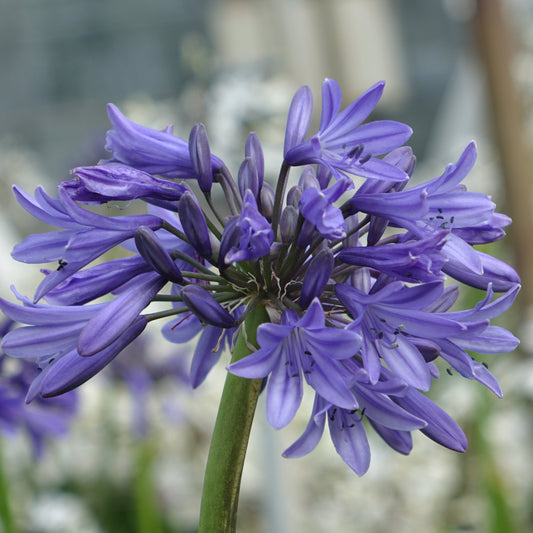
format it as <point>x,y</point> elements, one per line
<point>6,515</point>
<point>225,462</point>
<point>353,261</point>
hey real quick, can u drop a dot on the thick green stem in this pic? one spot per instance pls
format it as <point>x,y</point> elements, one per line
<point>220,498</point>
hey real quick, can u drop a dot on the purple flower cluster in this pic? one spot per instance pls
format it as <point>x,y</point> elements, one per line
<point>40,420</point>
<point>350,264</point>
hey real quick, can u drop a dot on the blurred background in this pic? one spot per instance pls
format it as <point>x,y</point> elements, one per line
<point>133,458</point>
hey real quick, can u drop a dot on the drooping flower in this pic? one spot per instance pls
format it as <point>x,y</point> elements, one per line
<point>52,335</point>
<point>86,235</point>
<point>391,407</point>
<point>409,260</point>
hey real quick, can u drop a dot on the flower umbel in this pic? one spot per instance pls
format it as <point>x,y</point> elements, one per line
<point>349,266</point>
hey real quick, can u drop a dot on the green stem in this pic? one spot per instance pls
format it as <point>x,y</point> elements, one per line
<point>214,210</point>
<point>176,254</point>
<point>220,498</point>
<point>6,516</point>
<point>230,190</point>
<point>199,275</point>
<point>278,200</point>
<point>146,507</point>
<point>164,314</point>
<point>175,231</point>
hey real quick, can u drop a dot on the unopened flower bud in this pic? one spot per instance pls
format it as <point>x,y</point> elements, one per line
<point>248,178</point>
<point>294,196</point>
<point>323,175</point>
<point>230,238</point>
<point>288,222</point>
<point>352,237</point>
<point>254,151</point>
<point>306,234</point>
<point>298,118</point>
<point>205,307</point>
<point>201,156</point>
<point>194,225</point>
<point>402,158</point>
<point>266,203</point>
<point>494,271</point>
<point>308,179</point>
<point>114,181</point>
<point>155,254</point>
<point>316,277</point>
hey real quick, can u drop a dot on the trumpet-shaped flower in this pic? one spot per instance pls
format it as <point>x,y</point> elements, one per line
<point>343,143</point>
<point>149,150</point>
<point>252,233</point>
<point>297,349</point>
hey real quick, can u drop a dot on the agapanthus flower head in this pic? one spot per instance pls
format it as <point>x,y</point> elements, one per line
<point>353,267</point>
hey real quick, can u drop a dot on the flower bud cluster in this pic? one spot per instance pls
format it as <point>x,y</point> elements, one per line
<point>350,265</point>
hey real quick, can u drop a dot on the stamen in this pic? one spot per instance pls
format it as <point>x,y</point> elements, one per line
<point>365,159</point>
<point>356,152</point>
<point>179,322</point>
